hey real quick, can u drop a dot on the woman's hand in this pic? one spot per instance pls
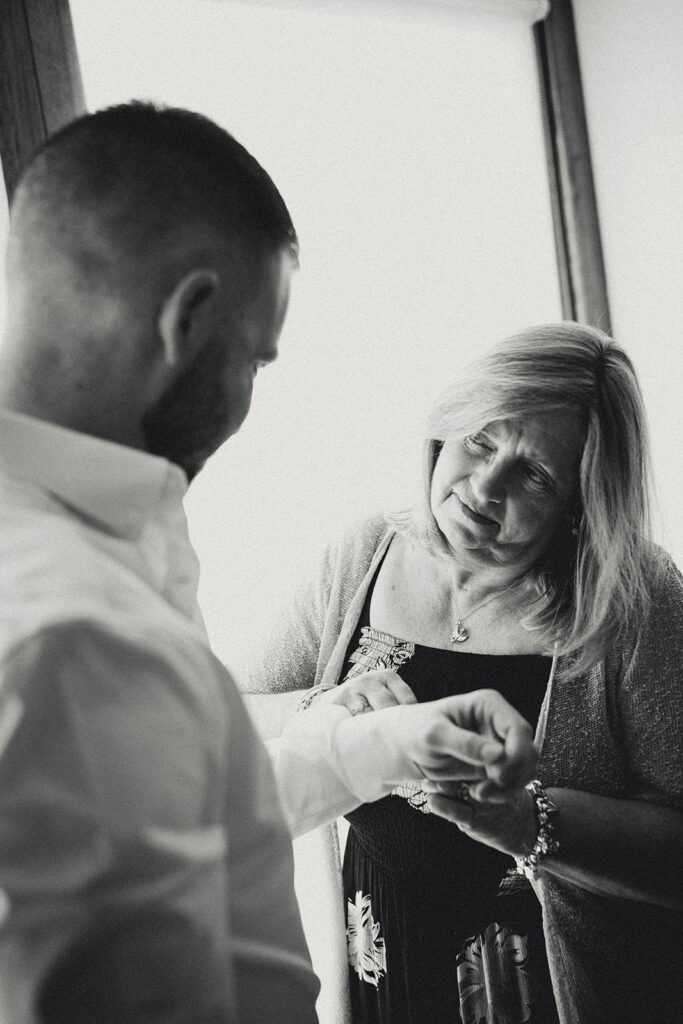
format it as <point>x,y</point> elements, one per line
<point>629,849</point>
<point>504,819</point>
<point>370,691</point>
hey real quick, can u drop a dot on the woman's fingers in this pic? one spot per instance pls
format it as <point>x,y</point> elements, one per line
<point>508,825</point>
<point>376,689</point>
<point>372,691</point>
<point>367,692</point>
<point>487,791</point>
<point>455,772</point>
<point>401,690</point>
<point>457,811</point>
<point>479,788</point>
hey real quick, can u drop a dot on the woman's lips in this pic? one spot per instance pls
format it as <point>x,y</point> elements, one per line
<point>476,517</point>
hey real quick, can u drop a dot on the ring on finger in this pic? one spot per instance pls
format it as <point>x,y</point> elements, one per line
<point>462,793</point>
<point>358,706</point>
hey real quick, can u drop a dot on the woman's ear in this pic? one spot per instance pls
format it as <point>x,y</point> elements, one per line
<point>185,320</point>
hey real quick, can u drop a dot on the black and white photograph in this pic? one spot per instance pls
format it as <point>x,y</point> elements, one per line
<point>341,605</point>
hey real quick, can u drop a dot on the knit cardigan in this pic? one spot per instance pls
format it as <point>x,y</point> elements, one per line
<point>616,731</point>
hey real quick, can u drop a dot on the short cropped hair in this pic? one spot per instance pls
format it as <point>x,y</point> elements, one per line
<point>139,171</point>
<point>592,581</point>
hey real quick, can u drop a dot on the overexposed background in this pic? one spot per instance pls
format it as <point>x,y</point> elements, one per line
<point>407,143</point>
<point>408,147</point>
<point>633,88</point>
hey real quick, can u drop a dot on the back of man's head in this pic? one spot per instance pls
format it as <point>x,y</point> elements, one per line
<point>114,189</point>
<point>140,239</point>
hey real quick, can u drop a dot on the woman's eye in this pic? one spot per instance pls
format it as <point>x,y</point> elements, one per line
<point>476,443</point>
<point>535,478</point>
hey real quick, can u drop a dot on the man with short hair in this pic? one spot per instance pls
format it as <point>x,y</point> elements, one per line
<point>145,863</point>
<point>148,275</point>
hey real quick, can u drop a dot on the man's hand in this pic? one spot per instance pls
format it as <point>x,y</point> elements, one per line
<point>474,737</point>
<point>467,737</point>
<point>327,762</point>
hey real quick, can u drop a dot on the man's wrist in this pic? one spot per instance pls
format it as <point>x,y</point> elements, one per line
<point>368,756</point>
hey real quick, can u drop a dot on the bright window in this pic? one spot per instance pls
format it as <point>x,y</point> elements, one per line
<point>407,143</point>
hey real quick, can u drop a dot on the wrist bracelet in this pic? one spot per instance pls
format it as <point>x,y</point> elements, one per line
<point>545,843</point>
<point>311,694</point>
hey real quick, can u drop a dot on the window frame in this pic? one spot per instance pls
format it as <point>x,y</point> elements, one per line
<point>578,244</point>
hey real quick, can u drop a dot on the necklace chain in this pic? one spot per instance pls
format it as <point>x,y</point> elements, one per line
<point>460,634</point>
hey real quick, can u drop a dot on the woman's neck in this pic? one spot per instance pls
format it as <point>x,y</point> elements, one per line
<point>415,598</point>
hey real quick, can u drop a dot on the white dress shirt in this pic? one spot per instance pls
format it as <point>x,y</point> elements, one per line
<point>145,867</point>
<point>327,763</point>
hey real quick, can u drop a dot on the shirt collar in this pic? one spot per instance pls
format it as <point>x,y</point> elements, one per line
<point>119,487</point>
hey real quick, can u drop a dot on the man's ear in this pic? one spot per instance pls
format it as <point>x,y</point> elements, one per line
<point>185,317</point>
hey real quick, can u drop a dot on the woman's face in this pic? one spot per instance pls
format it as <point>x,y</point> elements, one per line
<point>498,495</point>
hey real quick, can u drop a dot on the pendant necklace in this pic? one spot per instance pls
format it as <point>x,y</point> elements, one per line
<point>460,634</point>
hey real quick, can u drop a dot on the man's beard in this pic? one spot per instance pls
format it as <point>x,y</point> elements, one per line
<point>188,423</point>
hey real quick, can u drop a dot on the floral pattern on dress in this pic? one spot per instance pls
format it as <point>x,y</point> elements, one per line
<point>493,978</point>
<point>365,949</point>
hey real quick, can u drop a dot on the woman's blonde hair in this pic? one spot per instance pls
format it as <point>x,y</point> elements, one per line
<point>592,582</point>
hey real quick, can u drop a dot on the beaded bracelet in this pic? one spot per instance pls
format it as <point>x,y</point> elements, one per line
<point>545,843</point>
<point>311,694</point>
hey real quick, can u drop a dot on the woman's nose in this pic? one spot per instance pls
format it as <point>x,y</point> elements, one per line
<point>487,483</point>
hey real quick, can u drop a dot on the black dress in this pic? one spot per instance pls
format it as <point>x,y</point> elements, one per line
<point>438,929</point>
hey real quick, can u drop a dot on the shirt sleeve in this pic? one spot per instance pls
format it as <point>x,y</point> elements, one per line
<point>327,762</point>
<point>110,860</point>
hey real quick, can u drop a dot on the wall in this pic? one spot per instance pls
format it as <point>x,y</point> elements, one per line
<point>633,84</point>
<point>409,149</point>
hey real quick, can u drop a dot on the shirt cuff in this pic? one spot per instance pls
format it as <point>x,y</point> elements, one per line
<point>328,762</point>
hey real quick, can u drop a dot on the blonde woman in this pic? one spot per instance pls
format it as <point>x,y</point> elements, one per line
<point>527,569</point>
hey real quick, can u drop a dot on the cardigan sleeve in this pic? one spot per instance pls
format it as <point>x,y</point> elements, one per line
<point>296,652</point>
<point>650,694</point>
<point>289,657</point>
